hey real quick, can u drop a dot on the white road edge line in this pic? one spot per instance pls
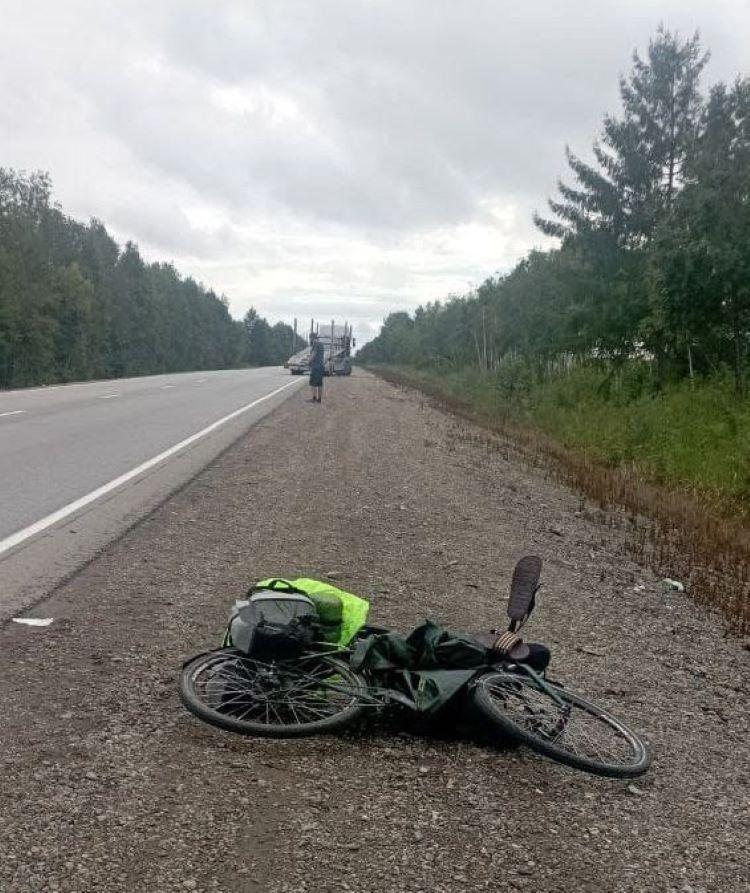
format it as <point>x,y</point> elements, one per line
<point>19,536</point>
<point>13,412</point>
<point>107,396</point>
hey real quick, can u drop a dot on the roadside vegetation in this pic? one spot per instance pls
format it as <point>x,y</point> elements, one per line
<point>623,350</point>
<point>691,437</point>
<point>75,305</point>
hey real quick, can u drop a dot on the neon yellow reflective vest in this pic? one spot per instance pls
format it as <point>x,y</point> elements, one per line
<point>342,611</point>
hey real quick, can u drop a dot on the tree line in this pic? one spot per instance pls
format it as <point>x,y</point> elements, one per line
<point>653,259</point>
<point>74,305</point>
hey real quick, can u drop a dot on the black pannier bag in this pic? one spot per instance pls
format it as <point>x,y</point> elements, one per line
<point>272,625</point>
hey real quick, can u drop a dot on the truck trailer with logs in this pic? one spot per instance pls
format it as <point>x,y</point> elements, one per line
<point>337,344</point>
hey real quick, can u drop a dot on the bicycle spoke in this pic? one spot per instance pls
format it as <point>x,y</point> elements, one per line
<point>581,732</point>
<point>313,690</point>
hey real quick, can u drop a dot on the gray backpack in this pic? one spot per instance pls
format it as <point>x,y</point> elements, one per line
<point>271,625</point>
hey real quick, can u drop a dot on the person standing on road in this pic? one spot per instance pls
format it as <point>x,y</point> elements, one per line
<point>317,368</point>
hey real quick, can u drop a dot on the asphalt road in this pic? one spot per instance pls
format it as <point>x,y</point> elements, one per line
<point>66,449</point>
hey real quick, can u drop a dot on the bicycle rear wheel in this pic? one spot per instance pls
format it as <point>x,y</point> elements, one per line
<point>312,695</point>
<point>576,732</point>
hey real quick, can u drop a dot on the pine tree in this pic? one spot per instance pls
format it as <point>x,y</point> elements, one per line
<point>640,158</point>
<point>702,260</point>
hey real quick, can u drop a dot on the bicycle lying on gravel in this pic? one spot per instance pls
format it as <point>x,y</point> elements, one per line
<point>499,679</point>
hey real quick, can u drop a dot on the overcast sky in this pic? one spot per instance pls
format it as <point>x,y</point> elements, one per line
<point>327,158</point>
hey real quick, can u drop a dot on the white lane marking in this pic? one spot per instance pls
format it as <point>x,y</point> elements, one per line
<point>38,526</point>
<point>199,380</point>
<point>107,396</point>
<point>13,412</point>
<point>165,386</point>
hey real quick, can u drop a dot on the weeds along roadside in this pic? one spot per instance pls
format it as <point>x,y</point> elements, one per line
<point>676,534</point>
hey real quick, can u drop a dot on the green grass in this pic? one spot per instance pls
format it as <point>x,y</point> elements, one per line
<point>690,438</point>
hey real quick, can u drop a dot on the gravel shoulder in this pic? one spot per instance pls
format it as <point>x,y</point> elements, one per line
<point>107,784</point>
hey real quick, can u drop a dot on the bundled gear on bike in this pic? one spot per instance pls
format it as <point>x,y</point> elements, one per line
<point>281,618</point>
<point>433,663</point>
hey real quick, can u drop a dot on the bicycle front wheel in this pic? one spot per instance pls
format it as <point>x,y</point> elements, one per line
<point>312,695</point>
<point>575,731</point>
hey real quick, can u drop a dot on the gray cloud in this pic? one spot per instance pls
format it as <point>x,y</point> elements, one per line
<point>327,157</point>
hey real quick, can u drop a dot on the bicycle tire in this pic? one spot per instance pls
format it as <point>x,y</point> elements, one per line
<point>234,692</point>
<point>519,707</point>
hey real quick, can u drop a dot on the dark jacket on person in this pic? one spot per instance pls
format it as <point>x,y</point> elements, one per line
<point>317,357</point>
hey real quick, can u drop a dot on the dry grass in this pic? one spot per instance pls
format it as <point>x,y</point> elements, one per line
<point>674,534</point>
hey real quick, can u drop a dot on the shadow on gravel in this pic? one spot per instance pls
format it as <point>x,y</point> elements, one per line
<point>449,727</point>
